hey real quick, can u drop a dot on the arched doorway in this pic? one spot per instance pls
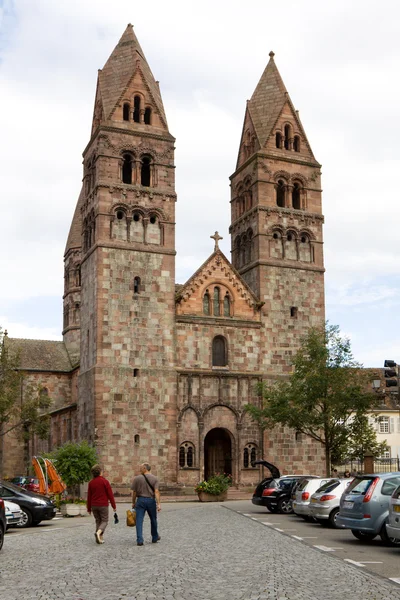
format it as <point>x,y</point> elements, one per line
<point>217,452</point>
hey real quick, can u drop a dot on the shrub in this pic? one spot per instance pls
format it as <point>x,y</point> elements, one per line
<point>215,485</point>
<point>73,462</point>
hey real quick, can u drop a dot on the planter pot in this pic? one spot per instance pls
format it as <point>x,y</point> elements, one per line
<point>82,510</point>
<point>70,510</point>
<point>204,497</point>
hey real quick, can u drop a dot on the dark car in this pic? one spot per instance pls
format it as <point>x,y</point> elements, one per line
<point>27,482</point>
<point>35,507</point>
<point>3,522</point>
<point>275,492</point>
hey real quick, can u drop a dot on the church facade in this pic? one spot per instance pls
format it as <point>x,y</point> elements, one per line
<point>149,370</point>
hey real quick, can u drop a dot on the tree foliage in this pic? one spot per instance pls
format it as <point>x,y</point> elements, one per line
<point>325,394</point>
<point>73,462</point>
<point>21,403</point>
<point>362,439</point>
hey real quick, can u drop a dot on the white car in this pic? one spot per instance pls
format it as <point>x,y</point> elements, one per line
<point>303,493</point>
<point>393,527</point>
<point>325,503</point>
<point>13,513</point>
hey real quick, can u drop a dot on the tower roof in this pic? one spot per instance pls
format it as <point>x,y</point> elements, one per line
<point>267,101</point>
<point>126,58</point>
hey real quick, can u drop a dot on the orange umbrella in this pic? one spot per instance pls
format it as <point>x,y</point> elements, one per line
<point>57,486</point>
<point>39,474</point>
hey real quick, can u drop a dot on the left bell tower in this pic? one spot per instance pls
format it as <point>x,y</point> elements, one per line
<point>122,239</point>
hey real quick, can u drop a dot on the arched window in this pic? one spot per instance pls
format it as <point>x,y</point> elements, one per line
<point>246,458</point>
<point>186,455</point>
<point>296,196</point>
<point>147,116</point>
<point>127,168</point>
<point>206,303</point>
<point>278,139</point>
<point>296,143</point>
<point>287,137</point>
<point>136,285</point>
<point>216,302</point>
<point>145,173</point>
<point>137,439</point>
<point>253,456</point>
<point>227,305</point>
<point>126,111</point>
<point>280,193</point>
<point>219,353</point>
<point>136,109</point>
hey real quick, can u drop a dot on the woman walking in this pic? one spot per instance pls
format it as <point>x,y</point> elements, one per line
<point>99,495</point>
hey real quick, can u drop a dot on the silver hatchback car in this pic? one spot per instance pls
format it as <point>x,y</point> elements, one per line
<point>393,527</point>
<point>364,507</point>
<point>302,495</point>
<point>324,503</point>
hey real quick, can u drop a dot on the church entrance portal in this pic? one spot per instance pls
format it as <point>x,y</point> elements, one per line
<point>217,452</point>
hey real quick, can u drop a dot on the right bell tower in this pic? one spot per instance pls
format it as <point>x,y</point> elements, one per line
<point>276,220</point>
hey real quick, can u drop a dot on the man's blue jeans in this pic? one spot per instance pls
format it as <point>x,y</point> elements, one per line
<point>142,506</point>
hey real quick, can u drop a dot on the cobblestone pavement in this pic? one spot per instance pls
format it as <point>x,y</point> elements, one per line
<point>206,552</point>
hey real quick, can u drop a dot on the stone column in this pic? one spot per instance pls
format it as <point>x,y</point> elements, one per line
<point>368,462</point>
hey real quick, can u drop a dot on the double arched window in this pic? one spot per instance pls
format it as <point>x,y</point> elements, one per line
<point>186,455</point>
<point>243,249</point>
<point>287,140</point>
<point>218,303</point>
<point>249,455</point>
<point>219,352</point>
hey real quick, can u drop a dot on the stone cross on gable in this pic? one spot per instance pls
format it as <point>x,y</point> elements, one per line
<point>216,237</point>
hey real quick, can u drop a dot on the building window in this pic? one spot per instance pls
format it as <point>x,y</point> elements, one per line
<point>219,353</point>
<point>136,285</point>
<point>136,372</point>
<point>288,140</point>
<point>293,312</point>
<point>278,139</point>
<point>126,111</point>
<point>186,455</point>
<point>147,116</point>
<point>216,302</point>
<point>206,303</point>
<point>296,196</point>
<point>249,456</point>
<point>136,109</point>
<point>137,439</point>
<point>227,305</point>
<point>384,425</point>
<point>127,168</point>
<point>246,458</point>
<point>280,193</point>
<point>296,143</point>
<point>145,171</point>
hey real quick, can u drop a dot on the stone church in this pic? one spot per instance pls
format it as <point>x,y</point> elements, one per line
<point>150,370</point>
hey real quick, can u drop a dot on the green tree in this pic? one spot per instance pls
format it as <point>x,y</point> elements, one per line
<point>362,438</point>
<point>325,393</point>
<point>73,462</point>
<point>22,404</point>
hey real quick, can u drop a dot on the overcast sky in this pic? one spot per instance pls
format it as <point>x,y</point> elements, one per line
<point>340,61</point>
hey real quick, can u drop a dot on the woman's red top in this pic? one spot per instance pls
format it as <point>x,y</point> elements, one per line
<point>99,493</point>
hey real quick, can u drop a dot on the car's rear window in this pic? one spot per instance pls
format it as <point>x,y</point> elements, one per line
<point>360,485</point>
<point>328,486</point>
<point>390,485</point>
<point>302,484</point>
<point>286,483</point>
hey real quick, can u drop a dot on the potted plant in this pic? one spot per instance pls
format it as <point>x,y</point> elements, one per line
<point>215,489</point>
<point>74,462</point>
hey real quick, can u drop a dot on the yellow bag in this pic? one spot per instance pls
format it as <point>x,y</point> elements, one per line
<point>131,518</point>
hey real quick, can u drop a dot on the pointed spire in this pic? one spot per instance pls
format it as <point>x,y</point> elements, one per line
<point>267,101</point>
<point>126,59</point>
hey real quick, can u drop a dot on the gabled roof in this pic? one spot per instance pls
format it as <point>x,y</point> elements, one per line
<point>40,355</point>
<point>268,101</point>
<point>119,70</point>
<point>206,269</point>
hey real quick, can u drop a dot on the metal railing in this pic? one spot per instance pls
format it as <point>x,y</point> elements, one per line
<point>381,465</point>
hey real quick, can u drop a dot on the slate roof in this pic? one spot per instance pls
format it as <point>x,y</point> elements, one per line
<point>41,355</point>
<point>119,70</point>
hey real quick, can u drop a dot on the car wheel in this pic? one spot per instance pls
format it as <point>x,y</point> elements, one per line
<point>26,519</point>
<point>363,536</point>
<point>332,518</point>
<point>389,541</point>
<point>272,509</point>
<point>285,506</point>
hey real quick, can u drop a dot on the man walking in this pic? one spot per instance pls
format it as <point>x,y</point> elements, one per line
<point>146,498</point>
<point>99,494</point>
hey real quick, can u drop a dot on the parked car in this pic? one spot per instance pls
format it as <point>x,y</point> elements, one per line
<point>13,513</point>
<point>364,507</point>
<point>3,522</point>
<point>35,507</point>
<point>275,492</point>
<point>302,493</point>
<point>393,526</point>
<point>324,503</point>
<point>27,482</point>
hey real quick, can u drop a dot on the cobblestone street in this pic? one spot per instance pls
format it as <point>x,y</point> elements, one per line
<point>206,552</point>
